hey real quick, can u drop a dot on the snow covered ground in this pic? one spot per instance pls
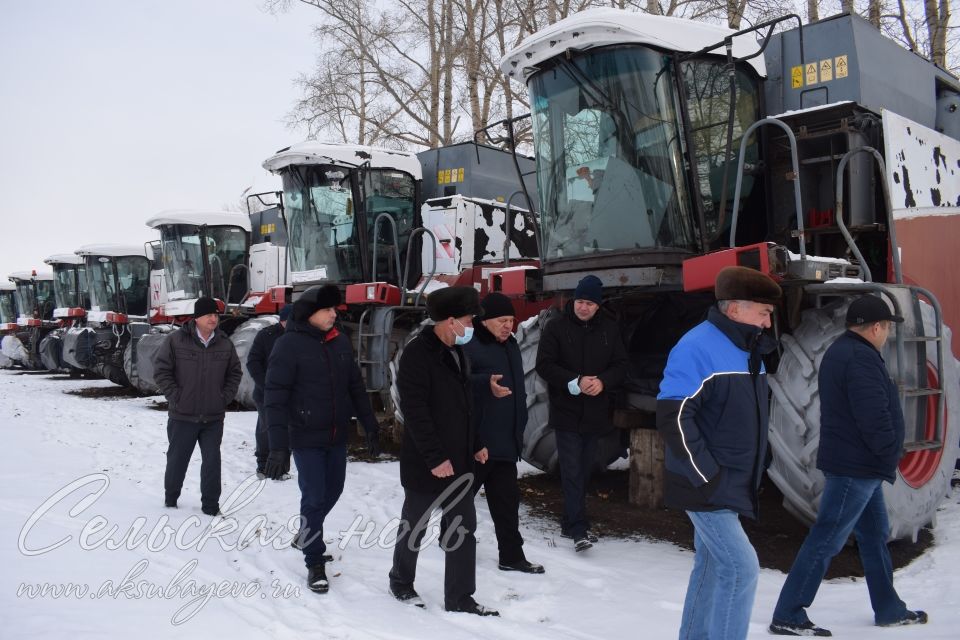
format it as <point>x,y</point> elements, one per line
<point>81,498</point>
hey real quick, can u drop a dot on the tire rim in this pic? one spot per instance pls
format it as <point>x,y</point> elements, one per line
<point>918,467</point>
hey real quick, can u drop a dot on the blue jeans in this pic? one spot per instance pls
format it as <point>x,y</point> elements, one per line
<point>847,505</point>
<point>320,474</point>
<point>723,582</point>
<point>575,454</point>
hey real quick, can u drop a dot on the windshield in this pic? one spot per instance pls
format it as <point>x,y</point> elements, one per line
<point>102,284</point>
<point>609,170</point>
<point>8,307</point>
<point>390,192</point>
<point>707,86</point>
<point>183,248</point>
<point>70,285</point>
<point>26,301</point>
<point>134,275</point>
<point>323,237</point>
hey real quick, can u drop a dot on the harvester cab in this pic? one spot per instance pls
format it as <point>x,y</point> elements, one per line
<point>658,165</point>
<point>34,302</point>
<point>72,301</point>
<point>8,322</point>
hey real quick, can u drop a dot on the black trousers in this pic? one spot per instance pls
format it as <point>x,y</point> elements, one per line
<point>575,452</point>
<point>262,440</point>
<point>457,526</point>
<point>499,479</point>
<point>183,436</point>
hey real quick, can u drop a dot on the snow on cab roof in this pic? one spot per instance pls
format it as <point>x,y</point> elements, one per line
<point>30,275</point>
<point>114,250</point>
<point>350,155</point>
<point>63,258</point>
<point>200,217</point>
<point>7,286</point>
<point>604,27</point>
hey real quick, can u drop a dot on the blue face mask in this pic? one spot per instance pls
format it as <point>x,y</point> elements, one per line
<point>467,334</point>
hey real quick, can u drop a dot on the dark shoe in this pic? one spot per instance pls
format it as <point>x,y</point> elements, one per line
<point>523,566</point>
<point>317,579</point>
<point>170,504</point>
<point>211,511</point>
<point>582,544</point>
<point>589,535</point>
<point>261,475</point>
<point>407,595</point>
<point>805,629</point>
<point>469,605</point>
<point>910,617</point>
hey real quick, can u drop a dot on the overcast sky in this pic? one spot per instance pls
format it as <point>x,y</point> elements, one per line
<point>114,110</point>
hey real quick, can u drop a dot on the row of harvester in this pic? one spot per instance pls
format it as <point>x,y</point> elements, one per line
<point>824,155</point>
<point>72,301</point>
<point>27,310</point>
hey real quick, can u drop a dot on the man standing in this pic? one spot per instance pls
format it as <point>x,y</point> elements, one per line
<point>257,366</point>
<point>861,441</point>
<point>198,370</point>
<point>500,415</point>
<point>712,412</point>
<point>313,388</point>
<point>440,446</point>
<point>582,358</point>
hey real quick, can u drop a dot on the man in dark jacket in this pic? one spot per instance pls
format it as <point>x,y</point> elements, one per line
<point>440,446</point>
<point>582,358</point>
<point>257,367</point>
<point>313,389</point>
<point>198,370</point>
<point>861,441</point>
<point>712,412</point>
<point>500,415</point>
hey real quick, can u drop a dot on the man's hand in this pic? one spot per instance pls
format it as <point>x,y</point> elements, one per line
<point>443,470</point>
<point>591,385</point>
<point>496,389</point>
<point>482,456</point>
<point>278,464</point>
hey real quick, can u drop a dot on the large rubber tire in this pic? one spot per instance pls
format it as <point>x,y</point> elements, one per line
<point>141,376</point>
<point>14,351</point>
<point>795,429</point>
<point>393,368</point>
<point>539,439</point>
<point>242,339</point>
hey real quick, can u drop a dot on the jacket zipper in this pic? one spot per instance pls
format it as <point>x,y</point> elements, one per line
<point>333,393</point>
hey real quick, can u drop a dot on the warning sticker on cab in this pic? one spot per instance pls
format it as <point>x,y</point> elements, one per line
<point>826,70</point>
<point>796,76</point>
<point>840,64</point>
<point>811,73</point>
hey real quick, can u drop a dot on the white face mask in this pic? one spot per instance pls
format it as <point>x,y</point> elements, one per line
<point>467,334</point>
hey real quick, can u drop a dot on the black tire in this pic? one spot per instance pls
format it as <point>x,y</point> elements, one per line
<point>14,351</point>
<point>795,426</point>
<point>242,339</point>
<point>394,367</point>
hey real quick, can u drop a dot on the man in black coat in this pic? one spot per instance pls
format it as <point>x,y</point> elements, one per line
<point>582,358</point>
<point>198,370</point>
<point>257,361</point>
<point>440,446</point>
<point>500,415</point>
<point>861,441</point>
<point>313,388</point>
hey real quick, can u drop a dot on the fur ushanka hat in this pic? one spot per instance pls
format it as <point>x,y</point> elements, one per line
<point>744,283</point>
<point>453,302</point>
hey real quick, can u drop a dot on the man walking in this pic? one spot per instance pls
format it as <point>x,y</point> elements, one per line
<point>712,412</point>
<point>440,446</point>
<point>582,358</point>
<point>500,415</point>
<point>313,389</point>
<point>861,441</point>
<point>198,370</point>
<point>257,361</point>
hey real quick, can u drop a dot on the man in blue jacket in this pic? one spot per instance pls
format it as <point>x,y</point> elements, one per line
<point>257,361</point>
<point>861,441</point>
<point>500,416</point>
<point>313,389</point>
<point>712,412</point>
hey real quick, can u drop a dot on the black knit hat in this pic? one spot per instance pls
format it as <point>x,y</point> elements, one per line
<point>496,305</point>
<point>743,283</point>
<point>589,288</point>
<point>453,302</point>
<point>205,306</point>
<point>314,299</point>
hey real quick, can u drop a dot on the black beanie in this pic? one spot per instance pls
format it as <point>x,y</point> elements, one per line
<point>589,288</point>
<point>744,283</point>
<point>496,305</point>
<point>314,299</point>
<point>453,302</point>
<point>205,306</point>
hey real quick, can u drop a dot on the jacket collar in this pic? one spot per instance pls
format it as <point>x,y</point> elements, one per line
<point>568,312</point>
<point>303,326</point>
<point>190,328</point>
<point>856,336</point>
<point>744,336</point>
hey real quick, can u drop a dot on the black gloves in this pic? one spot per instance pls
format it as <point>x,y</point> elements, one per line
<point>373,443</point>
<point>278,464</point>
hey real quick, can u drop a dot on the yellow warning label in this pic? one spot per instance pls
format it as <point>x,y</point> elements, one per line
<point>460,174</point>
<point>268,228</point>
<point>826,70</point>
<point>811,73</point>
<point>840,66</point>
<point>796,76</point>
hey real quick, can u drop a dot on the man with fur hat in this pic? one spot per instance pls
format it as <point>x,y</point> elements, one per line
<point>712,414</point>
<point>312,390</point>
<point>198,370</point>
<point>582,358</point>
<point>500,415</point>
<point>257,367</point>
<point>440,446</point>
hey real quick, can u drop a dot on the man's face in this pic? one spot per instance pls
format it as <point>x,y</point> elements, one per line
<point>324,319</point>
<point>500,327</point>
<point>206,324</point>
<point>585,309</point>
<point>757,314</point>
